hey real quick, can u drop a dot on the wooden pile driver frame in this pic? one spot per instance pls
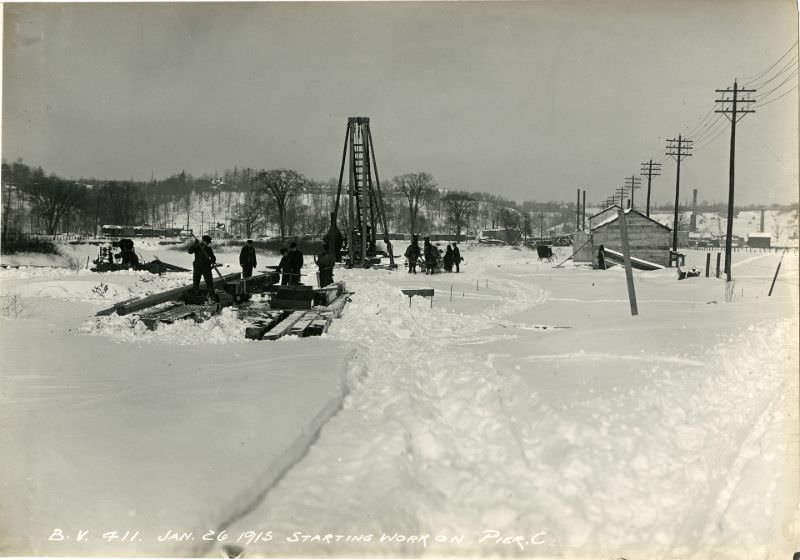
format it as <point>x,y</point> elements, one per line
<point>365,201</point>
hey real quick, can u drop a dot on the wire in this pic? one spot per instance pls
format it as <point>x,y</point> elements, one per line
<point>789,77</point>
<point>711,140</point>
<point>712,129</point>
<point>750,80</point>
<point>701,123</point>
<point>787,92</point>
<point>788,66</point>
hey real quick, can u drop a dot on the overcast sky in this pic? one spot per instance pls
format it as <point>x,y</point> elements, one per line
<point>528,100</point>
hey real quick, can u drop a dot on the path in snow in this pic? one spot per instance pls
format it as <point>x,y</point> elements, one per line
<point>462,421</point>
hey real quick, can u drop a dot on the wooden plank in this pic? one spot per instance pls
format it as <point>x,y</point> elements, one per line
<point>299,328</point>
<point>337,305</point>
<point>283,327</point>
<point>319,325</point>
<point>129,306</point>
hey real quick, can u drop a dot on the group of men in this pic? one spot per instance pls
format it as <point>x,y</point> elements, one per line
<point>428,256</point>
<point>292,261</point>
<point>289,266</point>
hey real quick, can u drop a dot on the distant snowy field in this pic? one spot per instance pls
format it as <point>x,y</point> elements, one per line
<point>528,414</point>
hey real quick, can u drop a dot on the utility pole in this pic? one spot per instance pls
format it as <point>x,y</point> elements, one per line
<point>679,149</point>
<point>621,191</point>
<point>651,169</point>
<point>578,211</point>
<point>632,183</point>
<point>733,114</point>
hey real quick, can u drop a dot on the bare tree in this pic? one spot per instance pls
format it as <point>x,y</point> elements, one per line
<point>54,198</point>
<point>281,185</point>
<point>459,209</point>
<point>416,188</point>
<point>251,214</point>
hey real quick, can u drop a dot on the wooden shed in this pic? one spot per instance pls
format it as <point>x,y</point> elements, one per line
<point>759,240</point>
<point>648,240</point>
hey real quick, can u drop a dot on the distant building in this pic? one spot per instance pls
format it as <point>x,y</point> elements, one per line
<point>647,239</point>
<point>510,236</point>
<point>760,240</point>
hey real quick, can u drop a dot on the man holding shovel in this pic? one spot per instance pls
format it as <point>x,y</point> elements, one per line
<point>204,259</point>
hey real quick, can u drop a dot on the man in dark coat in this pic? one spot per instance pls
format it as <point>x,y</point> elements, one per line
<point>601,258</point>
<point>283,266</point>
<point>448,259</point>
<point>204,259</point>
<point>247,259</point>
<point>431,256</point>
<point>457,257</point>
<point>335,239</point>
<point>325,262</point>
<point>412,254</point>
<point>294,261</point>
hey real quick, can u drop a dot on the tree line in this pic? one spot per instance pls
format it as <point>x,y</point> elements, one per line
<point>249,202</point>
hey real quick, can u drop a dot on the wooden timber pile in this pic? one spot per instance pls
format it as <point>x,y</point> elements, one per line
<point>268,323</point>
<point>230,285</point>
<point>293,314</point>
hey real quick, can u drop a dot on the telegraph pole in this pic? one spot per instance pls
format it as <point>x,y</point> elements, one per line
<point>679,149</point>
<point>621,191</point>
<point>632,183</point>
<point>651,169</point>
<point>733,114</point>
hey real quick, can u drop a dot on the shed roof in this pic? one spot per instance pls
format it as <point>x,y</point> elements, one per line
<point>627,211</point>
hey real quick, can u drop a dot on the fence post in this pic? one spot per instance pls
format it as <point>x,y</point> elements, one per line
<point>718,256</point>
<point>708,263</point>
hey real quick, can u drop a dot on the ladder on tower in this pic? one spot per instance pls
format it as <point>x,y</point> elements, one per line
<point>365,202</point>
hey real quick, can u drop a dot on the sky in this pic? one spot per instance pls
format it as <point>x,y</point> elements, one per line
<point>528,100</point>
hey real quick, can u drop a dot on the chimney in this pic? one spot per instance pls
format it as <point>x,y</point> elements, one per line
<point>761,228</point>
<point>693,219</point>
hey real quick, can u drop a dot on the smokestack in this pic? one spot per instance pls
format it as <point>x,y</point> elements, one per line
<point>583,212</point>
<point>761,228</point>
<point>693,219</point>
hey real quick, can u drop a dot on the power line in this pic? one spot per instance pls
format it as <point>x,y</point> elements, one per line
<point>767,93</point>
<point>792,63</point>
<point>710,130</point>
<point>787,92</point>
<point>750,80</point>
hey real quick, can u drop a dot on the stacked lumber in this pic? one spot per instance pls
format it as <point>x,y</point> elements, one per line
<point>174,313</point>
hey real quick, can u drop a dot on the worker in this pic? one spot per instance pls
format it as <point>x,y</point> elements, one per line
<point>412,254</point>
<point>335,239</point>
<point>601,258</point>
<point>457,257</point>
<point>431,254</point>
<point>283,266</point>
<point>247,259</point>
<point>204,259</point>
<point>325,262</point>
<point>295,263</point>
<point>448,259</point>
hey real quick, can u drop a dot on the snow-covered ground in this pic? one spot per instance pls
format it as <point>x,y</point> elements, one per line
<point>528,414</point>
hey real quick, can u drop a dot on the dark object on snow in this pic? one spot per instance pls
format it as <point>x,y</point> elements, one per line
<point>544,252</point>
<point>601,258</point>
<point>247,259</point>
<point>691,273</point>
<point>449,260</point>
<point>325,262</point>
<point>431,256</point>
<point>457,259</point>
<point>412,254</point>
<point>204,259</point>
